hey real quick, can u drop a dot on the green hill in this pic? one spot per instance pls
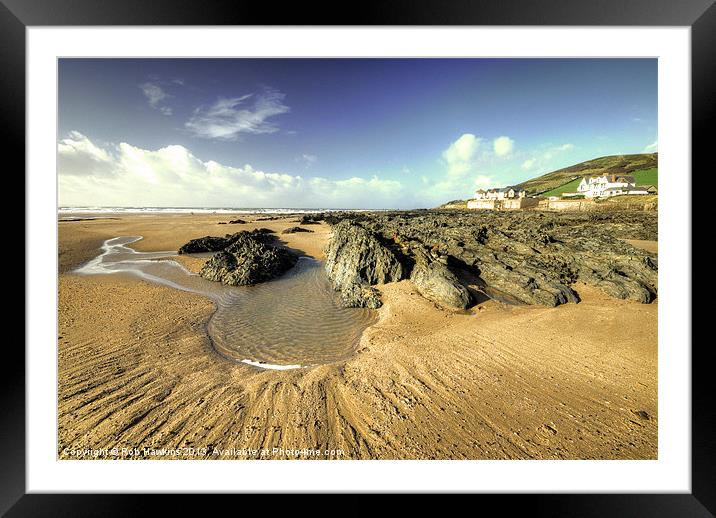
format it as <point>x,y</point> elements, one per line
<point>642,166</point>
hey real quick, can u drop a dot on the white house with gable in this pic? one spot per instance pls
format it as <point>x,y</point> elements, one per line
<point>607,185</point>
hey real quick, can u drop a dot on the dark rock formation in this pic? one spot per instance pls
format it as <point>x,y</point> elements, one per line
<point>293,230</point>
<point>357,258</point>
<point>525,257</point>
<point>308,220</point>
<point>248,259</point>
<point>205,244</point>
<point>237,222</point>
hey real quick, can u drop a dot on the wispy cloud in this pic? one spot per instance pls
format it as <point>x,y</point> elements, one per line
<point>227,118</point>
<point>308,159</point>
<point>156,96</point>
<point>652,148</point>
<point>543,159</point>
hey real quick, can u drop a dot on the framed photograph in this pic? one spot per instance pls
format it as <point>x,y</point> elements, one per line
<point>405,252</point>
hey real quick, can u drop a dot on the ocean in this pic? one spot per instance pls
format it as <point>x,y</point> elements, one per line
<point>203,210</point>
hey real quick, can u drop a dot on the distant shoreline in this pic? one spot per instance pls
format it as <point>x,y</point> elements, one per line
<point>206,210</point>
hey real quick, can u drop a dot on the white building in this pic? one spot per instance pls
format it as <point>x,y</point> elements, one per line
<point>505,198</point>
<point>608,185</point>
<point>504,193</point>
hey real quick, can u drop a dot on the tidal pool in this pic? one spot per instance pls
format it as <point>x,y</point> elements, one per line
<point>294,321</point>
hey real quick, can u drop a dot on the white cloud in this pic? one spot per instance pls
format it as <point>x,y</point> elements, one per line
<point>173,176</point>
<point>463,149</point>
<point>462,176</point>
<point>503,146</point>
<point>155,95</point>
<point>652,148</point>
<point>227,118</point>
<point>460,155</point>
<point>78,156</point>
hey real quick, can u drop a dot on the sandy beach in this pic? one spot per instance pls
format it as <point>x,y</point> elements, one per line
<point>136,370</point>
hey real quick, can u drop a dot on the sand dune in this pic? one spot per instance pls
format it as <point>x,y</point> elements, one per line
<point>137,370</point>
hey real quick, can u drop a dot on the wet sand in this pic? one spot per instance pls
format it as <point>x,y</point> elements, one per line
<point>137,370</point>
<point>649,246</point>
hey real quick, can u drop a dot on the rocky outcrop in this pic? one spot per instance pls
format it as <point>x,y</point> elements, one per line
<point>525,257</point>
<point>249,259</point>
<point>308,220</point>
<point>357,258</point>
<point>216,243</point>
<point>435,281</point>
<point>205,244</point>
<point>293,230</point>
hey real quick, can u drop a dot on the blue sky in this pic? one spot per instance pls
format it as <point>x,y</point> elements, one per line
<point>351,133</point>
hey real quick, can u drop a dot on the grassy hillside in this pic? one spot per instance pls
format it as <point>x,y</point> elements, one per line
<point>570,186</point>
<point>619,164</point>
<point>642,177</point>
<point>647,176</point>
<point>454,204</point>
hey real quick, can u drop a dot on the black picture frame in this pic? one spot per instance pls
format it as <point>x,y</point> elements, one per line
<point>700,15</point>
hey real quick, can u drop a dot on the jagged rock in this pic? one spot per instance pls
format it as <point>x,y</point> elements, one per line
<point>356,258</point>
<point>436,282</point>
<point>249,259</point>
<point>293,230</point>
<point>215,243</point>
<point>357,295</point>
<point>205,244</point>
<point>237,222</point>
<point>527,287</point>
